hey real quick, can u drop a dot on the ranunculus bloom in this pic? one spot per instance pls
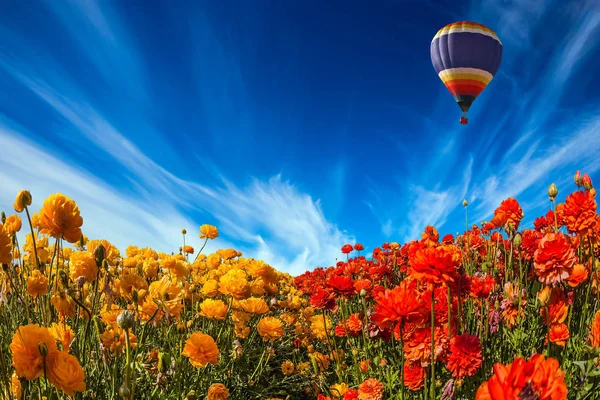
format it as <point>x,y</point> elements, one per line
<point>201,349</point>
<point>37,284</point>
<point>430,237</point>
<point>579,212</point>
<point>351,394</point>
<point>578,275</point>
<point>214,309</point>
<point>254,305</point>
<point>537,378</point>
<point>436,264</point>
<point>217,391</point>
<point>287,367</point>
<point>559,334</point>
<point>188,250</point>
<point>371,389</point>
<point>12,224</point>
<point>400,305</point>
<point>25,348</point>
<point>555,306</point>
<point>414,376</point>
<point>235,282</point>
<point>270,328</point>
<point>5,246</point>
<point>342,285</point>
<point>23,200</point>
<point>359,247</point>
<point>114,340</point>
<point>509,213</point>
<point>59,218</point>
<point>554,258</point>
<point>347,248</point>
<point>208,232</point>
<point>83,264</point>
<point>65,372</point>
<point>62,333</point>
<point>482,285</point>
<point>323,300</point>
<point>464,357</point>
<point>595,331</point>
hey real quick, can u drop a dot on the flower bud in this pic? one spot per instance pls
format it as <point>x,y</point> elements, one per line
<point>183,231</point>
<point>3,217</point>
<point>181,328</point>
<point>552,191</point>
<point>126,320</point>
<point>124,392</point>
<point>191,395</point>
<point>43,349</point>
<point>99,255</point>
<point>134,296</point>
<point>587,182</point>
<point>363,292</point>
<point>518,239</point>
<point>164,361</point>
<point>465,203</point>
<point>23,200</point>
<point>578,180</point>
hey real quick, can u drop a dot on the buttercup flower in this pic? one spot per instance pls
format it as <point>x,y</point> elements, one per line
<point>208,232</point>
<point>270,328</point>
<point>554,259</point>
<point>59,218</point>
<point>464,356</point>
<point>371,389</point>
<point>27,345</point>
<point>201,349</point>
<point>37,284</point>
<point>83,264</point>
<point>66,373</point>
<point>218,391</point>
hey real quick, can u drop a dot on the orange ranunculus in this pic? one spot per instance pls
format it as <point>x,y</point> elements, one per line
<point>210,288</point>
<point>354,324</point>
<point>430,237</point>
<point>436,264</point>
<point>217,391</point>
<point>12,224</point>
<point>579,274</point>
<point>114,340</point>
<point>371,389</point>
<point>509,214</point>
<point>554,258</point>
<point>112,254</point>
<point>254,305</point>
<point>62,333</point>
<point>414,376</point>
<point>270,328</point>
<point>556,306</point>
<point>37,284</point>
<point>188,250</point>
<point>400,305</point>
<point>595,331</point>
<point>64,305</point>
<point>214,309</point>
<point>201,349</point>
<point>464,357</point>
<point>537,378</point>
<point>59,218</point>
<point>208,232</point>
<point>15,386</point>
<point>579,212</point>
<point>26,347</point>
<point>5,246</point>
<point>65,372</point>
<point>23,200</point>
<point>235,282</point>
<point>559,334</point>
<point>83,264</point>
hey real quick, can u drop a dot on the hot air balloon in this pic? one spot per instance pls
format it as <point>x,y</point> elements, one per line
<point>466,56</point>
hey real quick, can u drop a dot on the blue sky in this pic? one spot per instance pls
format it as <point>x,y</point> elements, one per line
<point>295,127</point>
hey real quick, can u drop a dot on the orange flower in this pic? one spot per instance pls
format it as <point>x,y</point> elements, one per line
<point>579,274</point>
<point>235,282</point>
<point>201,349</point>
<point>23,200</point>
<point>217,391</point>
<point>37,284</point>
<point>556,306</point>
<point>208,232</point>
<point>64,305</point>
<point>12,224</point>
<point>554,258</point>
<point>83,264</point>
<point>436,264</point>
<point>364,365</point>
<point>188,250</point>
<point>66,373</point>
<point>371,389</point>
<point>287,367</point>
<point>5,246</point>
<point>270,328</point>
<point>27,344</point>
<point>579,212</point>
<point>254,305</point>
<point>59,218</point>
<point>354,324</point>
<point>63,333</point>
<point>15,386</point>
<point>112,254</point>
<point>559,334</point>
<point>537,378</point>
<point>214,309</point>
<point>464,357</point>
<point>414,376</point>
<point>114,340</point>
<point>400,305</point>
<point>509,214</point>
<point>595,331</point>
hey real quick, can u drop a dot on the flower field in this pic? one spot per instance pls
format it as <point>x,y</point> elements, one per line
<point>502,311</point>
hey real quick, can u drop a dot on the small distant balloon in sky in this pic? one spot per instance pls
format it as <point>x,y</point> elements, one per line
<point>466,56</point>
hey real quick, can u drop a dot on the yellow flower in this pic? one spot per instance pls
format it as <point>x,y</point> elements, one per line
<point>210,288</point>
<point>59,218</point>
<point>254,305</point>
<point>188,250</point>
<point>12,224</point>
<point>5,246</point>
<point>319,327</point>
<point>82,263</point>
<point>114,340</point>
<point>270,328</point>
<point>63,333</point>
<point>23,200</point>
<point>112,253</point>
<point>150,267</point>
<point>208,232</point>
<point>217,391</point>
<point>339,389</point>
<point>214,309</point>
<point>201,349</point>
<point>64,305</point>
<point>235,282</point>
<point>37,284</point>
<point>65,372</point>
<point>228,254</point>
<point>15,386</point>
<point>26,347</point>
<point>287,367</point>
<point>213,261</point>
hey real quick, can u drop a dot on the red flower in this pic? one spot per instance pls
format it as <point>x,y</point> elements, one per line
<point>482,285</point>
<point>464,357</point>
<point>554,259</point>
<point>448,239</point>
<point>347,248</point>
<point>362,284</point>
<point>414,376</point>
<point>351,394</point>
<point>354,324</point>
<point>430,237</point>
<point>579,212</point>
<point>508,214</point>
<point>595,331</point>
<point>400,305</point>
<point>436,264</point>
<point>538,378</point>
<point>323,300</point>
<point>559,334</point>
<point>342,285</point>
<point>371,389</point>
<point>358,247</point>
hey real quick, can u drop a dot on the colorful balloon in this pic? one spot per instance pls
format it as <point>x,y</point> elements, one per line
<point>466,56</point>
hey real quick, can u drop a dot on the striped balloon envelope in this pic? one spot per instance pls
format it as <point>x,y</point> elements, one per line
<point>466,56</point>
